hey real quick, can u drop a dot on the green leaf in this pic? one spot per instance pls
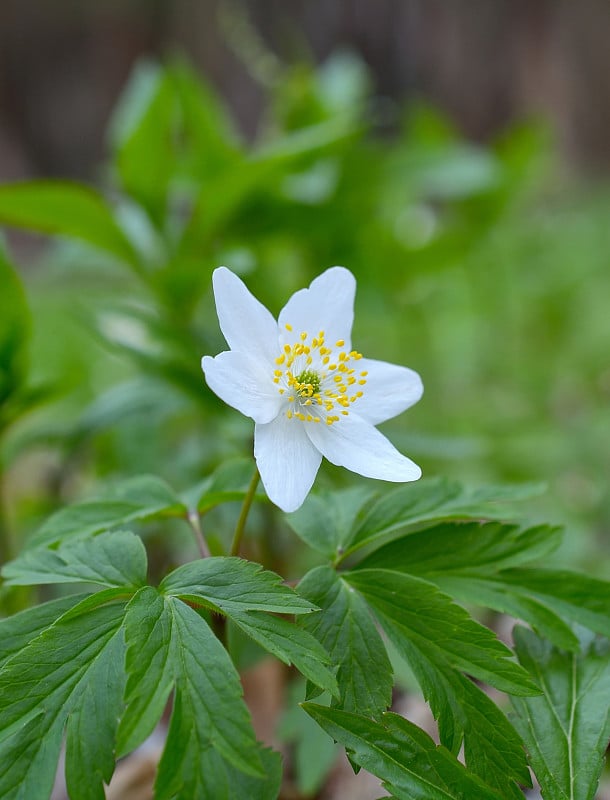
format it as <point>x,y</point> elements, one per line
<point>326,521</point>
<point>21,628</point>
<point>149,665</point>
<point>92,725</point>
<point>465,560</point>
<point>232,584</point>
<point>422,625</point>
<point>29,761</point>
<point>229,482</point>
<point>208,129</point>
<point>241,588</point>
<point>136,499</point>
<point>92,601</point>
<point>304,142</point>
<point>14,329</point>
<point>171,646</point>
<point>422,504</point>
<point>65,209</point>
<point>584,600</point>
<point>204,773</point>
<point>567,729</point>
<point>412,609</point>
<point>493,750</point>
<point>222,196</point>
<point>290,644</point>
<point>406,759</point>
<point>63,676</point>
<point>144,131</point>
<point>111,559</point>
<point>346,630</point>
<point>459,547</point>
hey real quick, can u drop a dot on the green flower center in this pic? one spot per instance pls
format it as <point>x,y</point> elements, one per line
<point>316,395</point>
<point>307,383</point>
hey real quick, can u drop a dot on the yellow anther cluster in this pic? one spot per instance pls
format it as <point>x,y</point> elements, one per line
<point>318,380</point>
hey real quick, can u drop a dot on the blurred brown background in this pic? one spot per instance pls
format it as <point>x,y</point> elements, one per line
<point>485,62</point>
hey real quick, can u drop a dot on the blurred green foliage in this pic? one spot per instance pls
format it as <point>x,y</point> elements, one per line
<point>482,268</point>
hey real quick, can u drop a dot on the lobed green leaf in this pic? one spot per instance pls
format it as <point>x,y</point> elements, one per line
<point>240,589</point>
<point>326,521</point>
<point>149,667</point>
<point>470,547</point>
<point>111,559</point>
<point>465,714</point>
<point>290,644</point>
<point>413,609</point>
<point>233,584</point>
<point>92,724</point>
<point>422,504</point>
<point>470,562</point>
<point>347,631</point>
<point>20,629</point>
<point>493,749</point>
<point>136,499</point>
<point>56,680</point>
<point>171,646</point>
<point>567,729</point>
<point>411,766</point>
<point>189,769</point>
<point>437,638</point>
<point>578,597</point>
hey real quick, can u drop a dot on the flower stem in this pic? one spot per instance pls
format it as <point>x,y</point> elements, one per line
<point>195,523</point>
<point>241,522</point>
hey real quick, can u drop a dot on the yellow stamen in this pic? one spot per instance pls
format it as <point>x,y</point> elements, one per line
<point>312,386</point>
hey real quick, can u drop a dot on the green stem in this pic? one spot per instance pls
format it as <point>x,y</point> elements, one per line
<point>241,522</point>
<point>13,598</point>
<point>195,523</point>
<point>6,544</point>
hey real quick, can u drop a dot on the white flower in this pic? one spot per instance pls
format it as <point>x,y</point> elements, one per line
<point>309,394</point>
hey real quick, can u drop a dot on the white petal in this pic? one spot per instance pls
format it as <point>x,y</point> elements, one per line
<point>244,384</point>
<point>245,322</point>
<point>389,390</point>
<point>328,305</point>
<point>287,461</point>
<point>358,446</point>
